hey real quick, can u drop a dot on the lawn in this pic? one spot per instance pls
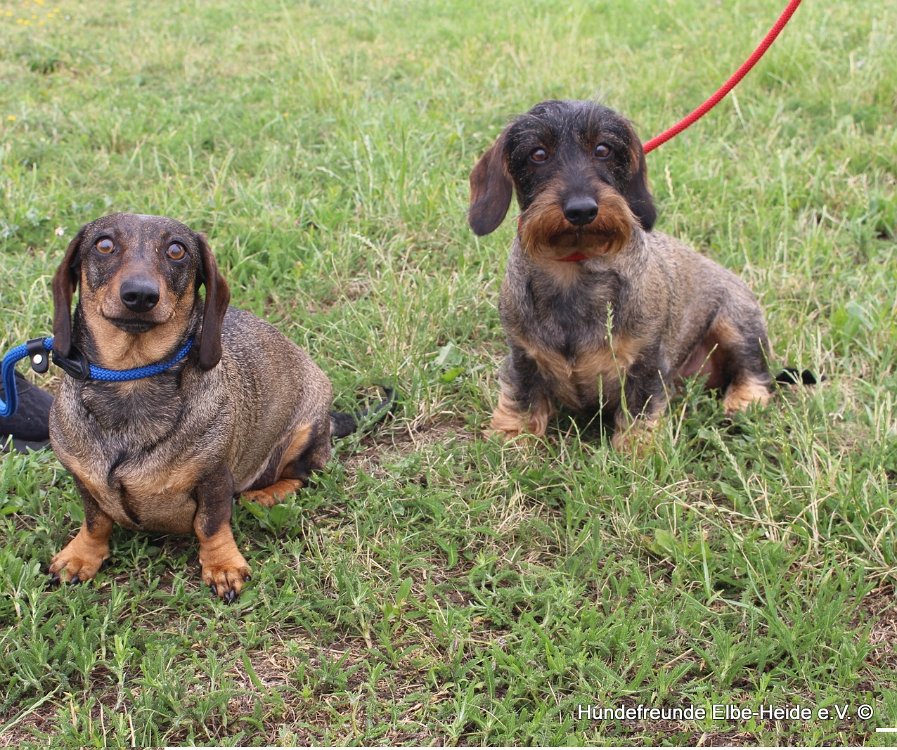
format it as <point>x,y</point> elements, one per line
<point>434,587</point>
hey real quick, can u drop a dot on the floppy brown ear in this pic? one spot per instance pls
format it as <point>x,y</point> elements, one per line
<point>490,190</point>
<point>217,297</point>
<point>636,191</point>
<point>65,281</point>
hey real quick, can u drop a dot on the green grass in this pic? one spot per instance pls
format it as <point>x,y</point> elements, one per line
<point>434,587</point>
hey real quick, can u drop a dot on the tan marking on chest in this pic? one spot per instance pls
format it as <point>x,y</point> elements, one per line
<point>160,496</point>
<point>587,374</point>
<point>177,479</point>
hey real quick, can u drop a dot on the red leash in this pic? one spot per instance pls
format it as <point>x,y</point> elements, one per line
<point>728,85</point>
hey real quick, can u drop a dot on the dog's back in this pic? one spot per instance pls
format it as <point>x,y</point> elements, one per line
<point>272,388</point>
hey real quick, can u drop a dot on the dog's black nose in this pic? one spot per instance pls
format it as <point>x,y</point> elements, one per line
<point>581,210</point>
<point>139,295</point>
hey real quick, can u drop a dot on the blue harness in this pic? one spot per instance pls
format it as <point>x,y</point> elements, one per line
<point>75,364</point>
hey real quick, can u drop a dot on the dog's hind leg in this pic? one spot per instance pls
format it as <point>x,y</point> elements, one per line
<point>274,493</point>
<point>745,391</point>
<point>745,353</point>
<point>308,451</point>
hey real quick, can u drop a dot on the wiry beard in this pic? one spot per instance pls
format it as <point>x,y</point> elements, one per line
<point>546,234</point>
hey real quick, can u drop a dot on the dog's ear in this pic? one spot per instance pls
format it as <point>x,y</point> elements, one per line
<point>490,190</point>
<point>217,297</point>
<point>65,281</point>
<point>636,191</point>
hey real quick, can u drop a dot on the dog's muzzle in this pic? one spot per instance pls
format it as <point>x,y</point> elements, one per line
<point>139,295</point>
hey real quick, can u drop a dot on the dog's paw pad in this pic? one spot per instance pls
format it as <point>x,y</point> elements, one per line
<point>226,579</point>
<point>75,566</point>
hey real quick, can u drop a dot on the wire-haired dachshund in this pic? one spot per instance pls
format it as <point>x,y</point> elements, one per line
<point>246,411</point>
<point>601,313</point>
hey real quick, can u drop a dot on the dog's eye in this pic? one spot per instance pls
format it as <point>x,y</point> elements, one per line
<point>539,155</point>
<point>602,151</point>
<point>105,246</point>
<point>176,251</point>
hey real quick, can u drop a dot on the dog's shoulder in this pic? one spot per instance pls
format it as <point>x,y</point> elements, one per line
<point>667,246</point>
<point>244,334</point>
<point>258,353</point>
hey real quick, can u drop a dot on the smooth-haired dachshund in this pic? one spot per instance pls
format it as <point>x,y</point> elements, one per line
<point>246,411</point>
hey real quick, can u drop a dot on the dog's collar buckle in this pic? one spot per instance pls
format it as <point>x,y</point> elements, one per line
<point>75,364</point>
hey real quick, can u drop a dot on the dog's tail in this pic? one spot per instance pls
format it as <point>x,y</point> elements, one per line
<point>343,424</point>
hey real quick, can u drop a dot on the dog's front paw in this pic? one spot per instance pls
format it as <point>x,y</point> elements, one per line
<point>226,574</point>
<point>508,421</point>
<point>509,433</point>
<point>635,438</point>
<point>501,435</point>
<point>79,560</point>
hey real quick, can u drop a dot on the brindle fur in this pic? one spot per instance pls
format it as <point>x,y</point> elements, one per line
<point>246,410</point>
<point>612,333</point>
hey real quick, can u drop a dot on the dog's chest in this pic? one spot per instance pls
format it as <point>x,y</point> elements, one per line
<point>585,376</point>
<point>139,493</point>
<point>129,459</point>
<point>576,339</point>
<point>158,502</point>
<point>144,410</point>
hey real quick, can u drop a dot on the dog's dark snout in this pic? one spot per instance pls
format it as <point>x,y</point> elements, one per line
<point>581,210</point>
<point>139,295</point>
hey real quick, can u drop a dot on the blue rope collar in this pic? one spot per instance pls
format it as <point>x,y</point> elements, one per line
<point>75,364</point>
